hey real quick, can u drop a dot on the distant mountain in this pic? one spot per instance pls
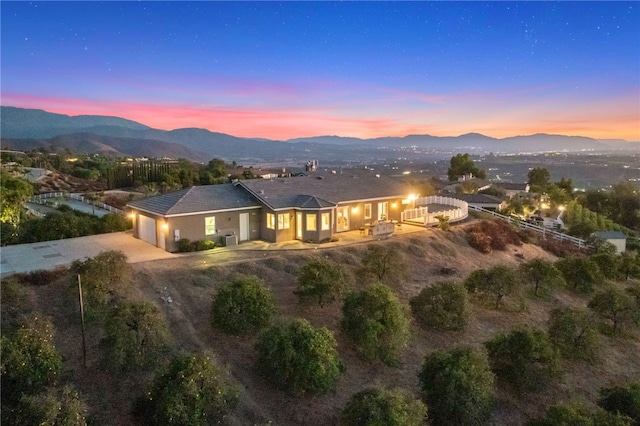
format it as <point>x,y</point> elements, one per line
<point>116,134</point>
<point>98,144</point>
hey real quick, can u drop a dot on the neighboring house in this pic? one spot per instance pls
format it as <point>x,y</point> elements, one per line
<point>466,183</point>
<point>482,200</point>
<point>311,207</point>
<point>514,189</point>
<point>617,238</point>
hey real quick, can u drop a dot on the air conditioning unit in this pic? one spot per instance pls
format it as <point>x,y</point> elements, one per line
<point>230,240</point>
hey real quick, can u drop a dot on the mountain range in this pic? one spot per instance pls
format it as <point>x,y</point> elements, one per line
<point>27,129</point>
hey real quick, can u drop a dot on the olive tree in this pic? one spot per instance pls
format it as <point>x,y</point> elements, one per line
<point>442,306</point>
<point>243,306</point>
<point>192,391</point>
<point>55,406</point>
<point>385,263</point>
<point>573,332</point>
<point>580,274</point>
<point>495,283</point>
<point>541,275</point>
<point>523,358</point>
<point>135,333</point>
<point>616,306</point>
<point>321,282</point>
<point>458,386</point>
<point>383,406</point>
<point>299,357</point>
<point>377,323</point>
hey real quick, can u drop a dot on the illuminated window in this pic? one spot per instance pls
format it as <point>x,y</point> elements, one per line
<point>283,221</point>
<point>367,211</point>
<point>209,225</point>
<point>326,221</point>
<point>271,221</point>
<point>311,222</point>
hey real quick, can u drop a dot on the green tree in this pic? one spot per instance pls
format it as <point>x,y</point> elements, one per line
<point>245,305</point>
<point>580,274</point>
<point>577,415</point>
<point>383,407</point>
<point>539,178</point>
<point>30,361</point>
<point>615,306</point>
<point>625,205</point>
<point>523,358</point>
<point>192,391</point>
<point>299,357</point>
<point>496,283</point>
<point>385,263</point>
<point>114,222</point>
<point>541,275</point>
<point>321,282</point>
<point>629,265</point>
<point>55,406</point>
<point>135,333</point>
<point>15,192</point>
<point>573,332</point>
<point>607,264</point>
<point>217,167</point>
<point>458,387</point>
<point>377,323</point>
<point>443,306</point>
<point>461,165</point>
<point>624,400</point>
<point>102,276</point>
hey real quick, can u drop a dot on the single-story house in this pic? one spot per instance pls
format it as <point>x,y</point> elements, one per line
<point>617,238</point>
<point>312,207</point>
<point>485,201</point>
<point>514,189</point>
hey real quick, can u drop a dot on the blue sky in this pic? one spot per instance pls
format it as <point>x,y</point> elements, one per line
<point>363,69</point>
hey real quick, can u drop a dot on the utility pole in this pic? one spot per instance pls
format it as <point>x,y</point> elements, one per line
<point>84,346</point>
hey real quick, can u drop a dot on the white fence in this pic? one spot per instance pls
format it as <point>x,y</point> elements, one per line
<point>580,243</point>
<point>41,199</point>
<point>460,210</point>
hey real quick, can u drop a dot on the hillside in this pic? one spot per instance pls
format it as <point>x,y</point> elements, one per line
<point>191,282</point>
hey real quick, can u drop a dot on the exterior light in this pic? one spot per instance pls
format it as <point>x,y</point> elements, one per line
<point>132,215</point>
<point>165,225</point>
<point>354,210</point>
<point>394,205</point>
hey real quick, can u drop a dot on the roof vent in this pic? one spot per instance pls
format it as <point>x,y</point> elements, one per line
<point>262,192</point>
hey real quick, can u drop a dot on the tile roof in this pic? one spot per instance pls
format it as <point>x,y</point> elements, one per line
<point>327,188</point>
<point>197,199</point>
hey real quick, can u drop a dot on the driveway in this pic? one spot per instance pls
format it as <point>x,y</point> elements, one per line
<point>49,254</point>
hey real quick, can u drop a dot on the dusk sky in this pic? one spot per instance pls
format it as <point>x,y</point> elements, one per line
<point>281,70</point>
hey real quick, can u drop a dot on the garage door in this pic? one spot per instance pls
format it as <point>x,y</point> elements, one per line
<point>147,229</point>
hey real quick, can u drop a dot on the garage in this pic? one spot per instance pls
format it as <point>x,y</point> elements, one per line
<point>147,229</point>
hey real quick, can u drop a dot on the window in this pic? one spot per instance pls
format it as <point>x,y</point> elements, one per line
<point>311,222</point>
<point>367,211</point>
<point>326,221</point>
<point>283,221</point>
<point>271,221</point>
<point>209,225</point>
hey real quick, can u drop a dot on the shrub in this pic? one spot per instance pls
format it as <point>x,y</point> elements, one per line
<point>184,245</point>
<point>55,406</point>
<point>102,276</point>
<point>321,282</point>
<point>489,235</point>
<point>42,276</point>
<point>479,241</point>
<point>299,357</point>
<point>573,332</point>
<point>388,407</point>
<point>190,392</point>
<point>243,306</point>
<point>523,358</point>
<point>443,306</point>
<point>458,387</point>
<point>377,323</point>
<point>576,414</point>
<point>623,400</point>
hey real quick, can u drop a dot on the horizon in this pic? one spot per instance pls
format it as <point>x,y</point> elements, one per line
<point>365,70</point>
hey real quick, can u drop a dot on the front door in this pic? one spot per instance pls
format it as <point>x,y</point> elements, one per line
<point>299,225</point>
<point>244,226</point>
<point>342,219</point>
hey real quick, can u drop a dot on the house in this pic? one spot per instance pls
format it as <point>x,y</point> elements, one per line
<point>482,200</point>
<point>617,238</point>
<point>313,207</point>
<point>467,184</point>
<point>514,189</point>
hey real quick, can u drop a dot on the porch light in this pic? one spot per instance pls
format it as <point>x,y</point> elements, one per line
<point>165,225</point>
<point>132,215</point>
<point>394,205</point>
<point>354,210</point>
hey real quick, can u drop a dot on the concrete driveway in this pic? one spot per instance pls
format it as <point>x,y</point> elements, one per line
<point>49,254</point>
